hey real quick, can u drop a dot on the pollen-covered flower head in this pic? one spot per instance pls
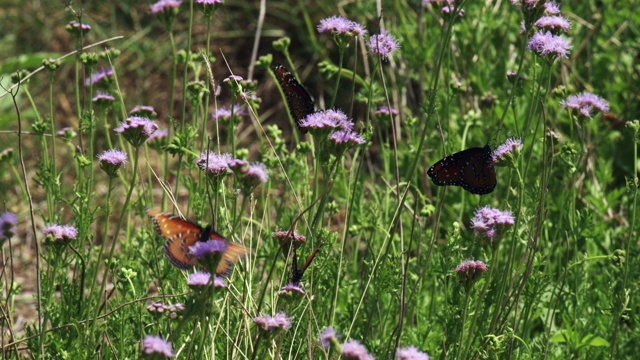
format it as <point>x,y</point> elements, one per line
<point>410,353</point>
<point>339,25</point>
<point>103,98</point>
<point>322,122</point>
<point>164,6</point>
<point>551,8</point>
<point>549,46</point>
<point>585,103</point>
<point>553,23</point>
<point>159,139</point>
<point>383,44</point>
<point>8,225</point>
<point>144,111</point>
<point>353,349</point>
<point>293,290</point>
<point>136,130</point>
<point>342,140</point>
<point>328,336</point>
<point>59,234</point>
<point>505,153</point>
<point>214,164</point>
<point>255,174</point>
<point>385,110</point>
<point>101,75</point>
<point>268,323</point>
<point>112,160</point>
<point>470,271</point>
<point>157,346</point>
<point>491,223</point>
<point>201,279</point>
<point>209,7</point>
<point>209,253</point>
<point>208,248</point>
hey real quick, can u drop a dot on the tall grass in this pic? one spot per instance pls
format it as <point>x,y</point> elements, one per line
<point>385,261</point>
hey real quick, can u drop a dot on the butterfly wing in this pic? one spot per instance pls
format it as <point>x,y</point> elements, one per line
<point>478,174</point>
<point>471,169</point>
<point>233,253</point>
<point>298,99</point>
<point>179,235</point>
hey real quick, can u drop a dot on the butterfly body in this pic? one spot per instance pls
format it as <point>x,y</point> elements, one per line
<point>298,99</point>
<point>180,234</point>
<point>472,169</point>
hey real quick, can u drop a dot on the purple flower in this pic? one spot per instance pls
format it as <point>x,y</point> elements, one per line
<point>470,271</point>
<point>327,336</point>
<point>551,8</point>
<point>67,133</point>
<point>218,282</point>
<point>410,353</point>
<point>164,6</point>
<point>448,9</point>
<point>77,29</point>
<point>55,232</point>
<point>292,289</point>
<point>341,26</point>
<point>98,76</point>
<point>76,25</point>
<point>233,78</point>
<point>111,160</point>
<point>238,165</point>
<point>346,137</point>
<point>352,349</point>
<point>143,111</point>
<point>491,223</point>
<point>325,120</point>
<point>550,46</point>
<point>506,150</point>
<point>199,279</point>
<point>289,236</point>
<point>268,323</point>
<point>157,345</point>
<point>157,307</point>
<point>8,225</point>
<point>209,7</point>
<point>255,174</point>
<point>552,134</point>
<point>136,130</point>
<point>585,103</point>
<point>160,308</point>
<point>205,248</point>
<point>103,98</point>
<point>159,135</point>
<point>384,110</point>
<point>214,164</point>
<point>221,114</point>
<point>113,157</point>
<point>553,23</point>
<point>383,44</point>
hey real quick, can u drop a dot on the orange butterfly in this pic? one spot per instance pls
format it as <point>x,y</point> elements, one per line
<point>181,234</point>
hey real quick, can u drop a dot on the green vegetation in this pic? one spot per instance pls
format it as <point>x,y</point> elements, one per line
<point>543,266</point>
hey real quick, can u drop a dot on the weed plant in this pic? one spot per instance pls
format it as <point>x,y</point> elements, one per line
<point>351,250</point>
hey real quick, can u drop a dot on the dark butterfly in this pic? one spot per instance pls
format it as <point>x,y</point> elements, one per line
<point>298,99</point>
<point>471,168</point>
<point>181,234</point>
<point>297,273</point>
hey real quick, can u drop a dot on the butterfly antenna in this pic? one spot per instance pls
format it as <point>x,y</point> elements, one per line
<point>166,190</point>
